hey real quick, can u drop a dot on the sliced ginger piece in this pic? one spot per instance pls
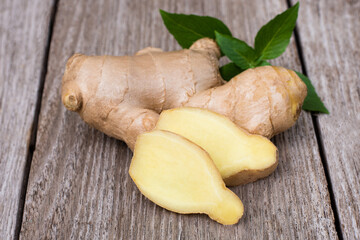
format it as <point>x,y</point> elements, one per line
<point>239,156</point>
<point>178,175</point>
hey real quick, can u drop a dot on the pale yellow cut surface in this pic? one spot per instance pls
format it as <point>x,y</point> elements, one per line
<point>180,176</point>
<point>239,156</point>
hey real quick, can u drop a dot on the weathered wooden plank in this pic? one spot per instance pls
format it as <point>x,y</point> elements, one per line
<point>330,38</point>
<point>79,187</point>
<point>24,29</point>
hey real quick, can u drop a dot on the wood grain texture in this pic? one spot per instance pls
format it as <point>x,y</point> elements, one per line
<point>79,187</point>
<point>330,38</point>
<point>23,38</point>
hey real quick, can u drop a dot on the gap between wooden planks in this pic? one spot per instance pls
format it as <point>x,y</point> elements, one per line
<point>330,49</point>
<point>24,32</point>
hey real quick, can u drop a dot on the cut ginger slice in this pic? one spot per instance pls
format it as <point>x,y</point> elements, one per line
<point>239,156</point>
<point>178,175</point>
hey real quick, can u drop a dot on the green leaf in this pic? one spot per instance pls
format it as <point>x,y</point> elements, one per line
<point>312,101</point>
<point>236,50</point>
<point>273,38</point>
<point>229,71</point>
<point>188,28</point>
<point>263,63</point>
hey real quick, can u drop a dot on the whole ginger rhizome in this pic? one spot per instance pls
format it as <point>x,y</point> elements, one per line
<point>213,133</point>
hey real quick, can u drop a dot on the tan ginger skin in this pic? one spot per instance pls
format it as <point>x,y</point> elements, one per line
<point>122,96</point>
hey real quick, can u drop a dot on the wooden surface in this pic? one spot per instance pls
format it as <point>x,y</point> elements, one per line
<point>24,31</point>
<point>79,187</point>
<point>333,62</point>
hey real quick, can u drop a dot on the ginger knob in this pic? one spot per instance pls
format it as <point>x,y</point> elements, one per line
<point>72,101</point>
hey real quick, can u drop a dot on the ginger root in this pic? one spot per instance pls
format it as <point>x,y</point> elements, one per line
<point>264,100</point>
<point>178,175</point>
<point>123,96</point>
<point>240,157</point>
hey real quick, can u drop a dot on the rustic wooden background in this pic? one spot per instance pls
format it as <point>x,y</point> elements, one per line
<point>61,179</point>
